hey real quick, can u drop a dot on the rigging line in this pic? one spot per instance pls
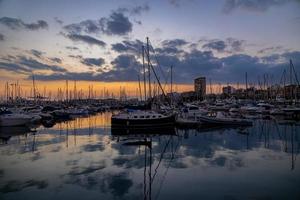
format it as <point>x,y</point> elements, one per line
<point>152,178</point>
<point>159,82</point>
<point>291,63</point>
<point>160,159</point>
<point>165,174</point>
<point>158,64</point>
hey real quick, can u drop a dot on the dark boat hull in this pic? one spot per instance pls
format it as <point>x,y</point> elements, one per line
<point>143,123</point>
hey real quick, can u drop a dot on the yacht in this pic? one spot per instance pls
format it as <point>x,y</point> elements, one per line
<point>142,119</point>
<point>7,118</point>
<point>221,120</point>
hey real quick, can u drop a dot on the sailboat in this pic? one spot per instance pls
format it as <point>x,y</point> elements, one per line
<point>148,118</point>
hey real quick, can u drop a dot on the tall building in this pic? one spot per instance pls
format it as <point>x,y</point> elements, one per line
<point>200,87</point>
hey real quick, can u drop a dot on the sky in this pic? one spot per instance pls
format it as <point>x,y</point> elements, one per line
<point>101,41</point>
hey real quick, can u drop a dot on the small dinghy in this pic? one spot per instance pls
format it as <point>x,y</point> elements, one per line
<point>221,120</point>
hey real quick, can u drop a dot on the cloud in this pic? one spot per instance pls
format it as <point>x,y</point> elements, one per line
<point>252,5</point>
<point>86,39</point>
<point>116,24</point>
<point>93,61</point>
<point>86,26</point>
<point>125,68</point>
<point>270,49</point>
<point>135,10</point>
<point>217,45</point>
<point>12,67</point>
<point>1,37</point>
<point>57,60</point>
<point>72,48</point>
<point>27,65</point>
<point>17,24</point>
<point>128,46</point>
<point>57,20</point>
<point>36,65</point>
<point>36,53</point>
<point>125,62</point>
<point>230,45</point>
<point>174,43</point>
<point>175,3</point>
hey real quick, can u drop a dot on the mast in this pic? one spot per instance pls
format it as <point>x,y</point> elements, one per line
<point>144,68</point>
<point>171,84</point>
<point>210,86</point>
<point>140,91</point>
<point>34,91</point>
<point>149,71</point>
<point>246,77</point>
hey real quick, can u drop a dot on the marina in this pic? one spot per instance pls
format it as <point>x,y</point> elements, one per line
<point>149,100</point>
<point>82,156</point>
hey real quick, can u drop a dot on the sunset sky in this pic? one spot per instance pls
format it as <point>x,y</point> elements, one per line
<point>97,40</point>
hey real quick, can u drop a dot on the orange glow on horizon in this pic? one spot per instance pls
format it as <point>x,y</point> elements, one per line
<point>93,89</point>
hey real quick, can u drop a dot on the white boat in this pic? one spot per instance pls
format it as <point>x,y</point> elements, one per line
<point>277,111</point>
<point>192,111</point>
<point>8,118</point>
<point>221,120</point>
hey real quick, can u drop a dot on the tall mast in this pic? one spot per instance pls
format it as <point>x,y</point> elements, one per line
<point>34,91</point>
<point>67,90</point>
<point>246,76</point>
<point>144,68</point>
<point>171,79</point>
<point>140,91</point>
<point>210,86</point>
<point>149,70</point>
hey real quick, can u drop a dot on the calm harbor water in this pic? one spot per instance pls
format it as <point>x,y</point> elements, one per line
<point>81,159</point>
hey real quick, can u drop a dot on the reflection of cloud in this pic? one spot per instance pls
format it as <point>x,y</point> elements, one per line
<point>1,173</point>
<point>15,186</point>
<point>93,147</point>
<point>119,184</point>
<point>36,156</point>
<point>88,170</point>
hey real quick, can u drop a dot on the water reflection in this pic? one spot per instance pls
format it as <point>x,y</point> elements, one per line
<point>83,158</point>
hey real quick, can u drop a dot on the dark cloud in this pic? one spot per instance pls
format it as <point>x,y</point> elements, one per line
<point>128,46</point>
<point>57,20</point>
<point>1,37</point>
<point>36,65</point>
<point>135,10</point>
<point>116,24</point>
<point>175,3</point>
<point>125,62</point>
<point>125,68</point>
<point>230,45</point>
<point>36,53</point>
<point>270,49</point>
<point>87,26</point>
<point>27,65</point>
<point>86,39</point>
<point>217,45</point>
<point>57,60</point>
<point>72,48</point>
<point>252,5</point>
<point>174,43</point>
<point>12,67</point>
<point>93,61</point>
<point>17,24</point>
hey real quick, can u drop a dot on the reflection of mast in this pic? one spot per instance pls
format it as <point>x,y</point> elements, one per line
<point>67,136</point>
